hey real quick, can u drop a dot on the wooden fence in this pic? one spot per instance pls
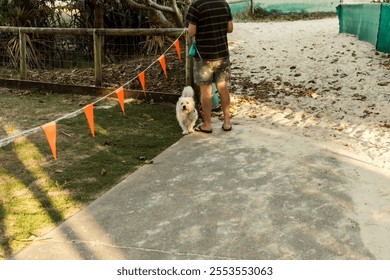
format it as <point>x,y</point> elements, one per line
<point>98,37</point>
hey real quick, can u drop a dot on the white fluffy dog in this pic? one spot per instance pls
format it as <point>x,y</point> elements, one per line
<point>186,112</point>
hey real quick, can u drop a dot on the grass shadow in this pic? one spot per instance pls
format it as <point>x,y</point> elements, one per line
<point>39,192</point>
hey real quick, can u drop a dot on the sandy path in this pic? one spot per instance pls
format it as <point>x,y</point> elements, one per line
<point>346,83</point>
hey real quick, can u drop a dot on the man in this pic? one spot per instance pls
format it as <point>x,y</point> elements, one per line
<point>210,21</point>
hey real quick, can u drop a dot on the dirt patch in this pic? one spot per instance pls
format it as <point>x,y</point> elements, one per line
<point>118,74</point>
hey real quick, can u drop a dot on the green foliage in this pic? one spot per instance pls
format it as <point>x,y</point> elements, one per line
<point>26,12</point>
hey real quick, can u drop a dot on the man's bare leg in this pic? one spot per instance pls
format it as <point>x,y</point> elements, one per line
<point>205,95</point>
<point>225,102</point>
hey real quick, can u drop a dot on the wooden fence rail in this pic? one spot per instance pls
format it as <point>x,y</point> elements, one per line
<point>98,37</point>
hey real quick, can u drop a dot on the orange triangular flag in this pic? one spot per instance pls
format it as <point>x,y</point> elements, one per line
<point>163,64</point>
<point>51,136</point>
<point>141,77</point>
<point>120,92</point>
<point>88,110</point>
<point>177,46</point>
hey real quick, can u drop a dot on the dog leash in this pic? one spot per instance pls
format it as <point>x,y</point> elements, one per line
<point>193,45</point>
<point>196,48</point>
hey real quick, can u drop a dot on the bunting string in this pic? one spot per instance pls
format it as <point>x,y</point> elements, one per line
<point>50,128</point>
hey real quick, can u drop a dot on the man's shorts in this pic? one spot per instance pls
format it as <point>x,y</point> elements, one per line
<point>211,71</point>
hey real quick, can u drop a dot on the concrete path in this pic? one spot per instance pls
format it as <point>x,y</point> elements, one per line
<point>252,193</point>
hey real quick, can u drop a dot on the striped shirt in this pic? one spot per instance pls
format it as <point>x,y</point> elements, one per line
<point>211,19</point>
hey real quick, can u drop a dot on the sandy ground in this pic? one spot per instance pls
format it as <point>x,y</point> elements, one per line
<point>325,85</point>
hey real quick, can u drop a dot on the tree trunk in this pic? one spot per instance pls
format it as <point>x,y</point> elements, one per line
<point>98,11</point>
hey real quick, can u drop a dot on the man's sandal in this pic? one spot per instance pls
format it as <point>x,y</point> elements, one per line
<point>226,129</point>
<point>200,129</point>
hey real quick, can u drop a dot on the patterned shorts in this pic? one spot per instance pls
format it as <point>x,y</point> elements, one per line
<point>214,71</point>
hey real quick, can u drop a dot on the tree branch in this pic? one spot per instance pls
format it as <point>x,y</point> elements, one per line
<point>158,10</point>
<point>138,6</point>
<point>159,7</point>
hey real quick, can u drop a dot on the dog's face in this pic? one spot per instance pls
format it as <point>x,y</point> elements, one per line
<point>186,104</point>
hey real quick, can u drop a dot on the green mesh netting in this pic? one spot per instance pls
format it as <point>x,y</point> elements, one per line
<point>361,20</point>
<point>286,6</point>
<point>383,44</point>
<point>370,22</point>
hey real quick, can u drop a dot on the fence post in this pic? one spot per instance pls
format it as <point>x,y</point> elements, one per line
<point>97,49</point>
<point>22,54</point>
<point>189,62</point>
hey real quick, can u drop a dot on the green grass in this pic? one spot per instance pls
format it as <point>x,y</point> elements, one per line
<point>38,192</point>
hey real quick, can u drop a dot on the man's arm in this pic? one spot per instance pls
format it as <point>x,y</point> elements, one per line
<point>191,30</point>
<point>230,26</point>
